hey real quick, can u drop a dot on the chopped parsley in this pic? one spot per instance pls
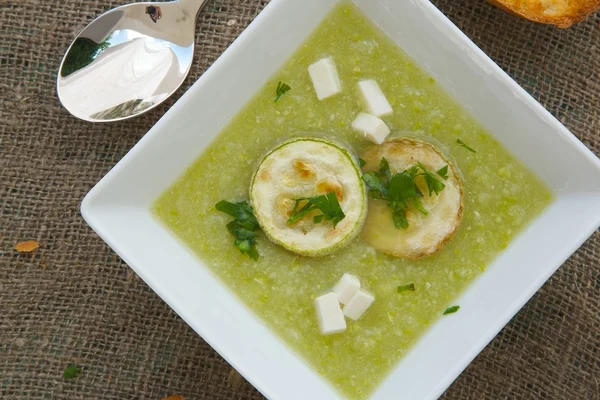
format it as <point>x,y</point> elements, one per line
<point>443,172</point>
<point>327,204</point>
<point>466,146</point>
<point>244,227</point>
<point>451,310</point>
<point>433,183</point>
<point>361,162</point>
<point>401,191</point>
<point>410,287</point>
<point>72,371</point>
<point>282,88</point>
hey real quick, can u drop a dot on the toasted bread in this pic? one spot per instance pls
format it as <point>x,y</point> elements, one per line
<point>562,13</point>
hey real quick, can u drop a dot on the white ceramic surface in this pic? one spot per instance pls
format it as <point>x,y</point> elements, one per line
<point>117,208</point>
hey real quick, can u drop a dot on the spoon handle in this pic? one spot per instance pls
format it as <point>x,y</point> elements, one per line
<point>192,6</point>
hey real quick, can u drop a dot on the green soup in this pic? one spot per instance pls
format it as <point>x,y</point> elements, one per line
<point>500,198</point>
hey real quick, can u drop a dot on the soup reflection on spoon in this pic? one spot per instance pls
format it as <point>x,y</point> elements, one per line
<point>128,60</point>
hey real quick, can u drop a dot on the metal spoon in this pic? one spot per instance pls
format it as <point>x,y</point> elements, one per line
<point>128,60</point>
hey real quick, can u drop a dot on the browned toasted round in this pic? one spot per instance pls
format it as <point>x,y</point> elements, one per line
<point>562,13</point>
<point>425,235</point>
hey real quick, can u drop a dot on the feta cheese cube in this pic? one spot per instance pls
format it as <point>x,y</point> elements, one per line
<point>358,304</point>
<point>325,78</point>
<point>373,98</point>
<point>331,318</point>
<point>372,127</point>
<point>346,287</point>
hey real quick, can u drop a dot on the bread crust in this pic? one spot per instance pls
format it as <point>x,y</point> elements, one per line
<point>561,13</point>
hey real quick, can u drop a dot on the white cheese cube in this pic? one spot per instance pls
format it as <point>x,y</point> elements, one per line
<point>346,287</point>
<point>331,318</point>
<point>372,127</point>
<point>358,304</point>
<point>373,98</point>
<point>325,78</point>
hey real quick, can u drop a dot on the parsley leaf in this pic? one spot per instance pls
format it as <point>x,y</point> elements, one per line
<point>72,371</point>
<point>399,218</point>
<point>451,310</point>
<point>443,172</point>
<point>466,146</point>
<point>379,181</point>
<point>433,183</point>
<point>243,227</point>
<point>403,187</point>
<point>404,288</point>
<point>361,162</point>
<point>416,203</point>
<point>282,88</point>
<point>384,168</point>
<point>327,204</point>
<point>401,190</point>
<point>377,187</point>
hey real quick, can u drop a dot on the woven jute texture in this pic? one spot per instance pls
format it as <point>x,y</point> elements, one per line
<point>74,301</point>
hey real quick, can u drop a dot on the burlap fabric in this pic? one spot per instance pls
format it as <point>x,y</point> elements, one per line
<point>74,300</point>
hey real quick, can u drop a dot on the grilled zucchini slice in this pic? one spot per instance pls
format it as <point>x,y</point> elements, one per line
<point>426,234</point>
<point>302,168</point>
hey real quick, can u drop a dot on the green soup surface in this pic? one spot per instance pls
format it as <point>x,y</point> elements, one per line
<point>500,198</point>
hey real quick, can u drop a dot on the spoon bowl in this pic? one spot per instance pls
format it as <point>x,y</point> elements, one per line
<point>128,60</point>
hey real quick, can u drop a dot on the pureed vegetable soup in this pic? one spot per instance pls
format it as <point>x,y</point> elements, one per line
<point>500,198</point>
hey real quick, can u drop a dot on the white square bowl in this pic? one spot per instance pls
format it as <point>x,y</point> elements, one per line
<point>118,207</point>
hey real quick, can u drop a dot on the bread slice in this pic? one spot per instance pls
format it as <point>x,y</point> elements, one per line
<point>562,13</point>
